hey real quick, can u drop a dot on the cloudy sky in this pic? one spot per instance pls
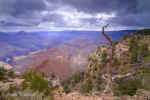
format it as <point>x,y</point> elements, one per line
<point>35,15</point>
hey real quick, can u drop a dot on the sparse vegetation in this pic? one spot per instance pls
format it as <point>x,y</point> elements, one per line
<point>86,86</point>
<point>138,50</point>
<point>72,81</point>
<point>129,86</point>
<point>133,49</point>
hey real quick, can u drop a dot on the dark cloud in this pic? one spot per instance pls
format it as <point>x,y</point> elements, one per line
<point>28,7</point>
<point>64,13</point>
<point>17,7</point>
<point>104,6</point>
<point>139,20</point>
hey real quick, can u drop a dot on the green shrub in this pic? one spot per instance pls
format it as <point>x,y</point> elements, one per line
<point>52,75</point>
<point>115,62</point>
<point>143,49</point>
<point>36,83</point>
<point>133,49</point>
<point>128,87</point>
<point>11,74</point>
<point>86,87</point>
<point>77,77</point>
<point>72,81</point>
<point>67,90</point>
<point>143,75</point>
<point>66,85</point>
<point>137,50</point>
<point>104,57</point>
<point>143,32</point>
<point>13,88</point>
<point>97,86</point>
<point>3,73</point>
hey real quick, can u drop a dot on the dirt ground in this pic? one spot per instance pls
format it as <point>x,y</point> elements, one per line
<point>77,96</point>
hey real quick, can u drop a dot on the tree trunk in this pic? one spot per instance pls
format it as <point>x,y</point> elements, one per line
<point>108,88</point>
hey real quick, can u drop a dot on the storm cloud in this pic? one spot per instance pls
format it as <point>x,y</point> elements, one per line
<point>73,14</point>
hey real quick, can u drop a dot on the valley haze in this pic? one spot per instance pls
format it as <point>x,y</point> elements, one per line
<point>61,52</point>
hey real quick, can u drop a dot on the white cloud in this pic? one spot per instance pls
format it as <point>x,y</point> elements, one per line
<point>75,19</point>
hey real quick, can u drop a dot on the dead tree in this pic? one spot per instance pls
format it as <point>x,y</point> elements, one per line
<point>108,88</point>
